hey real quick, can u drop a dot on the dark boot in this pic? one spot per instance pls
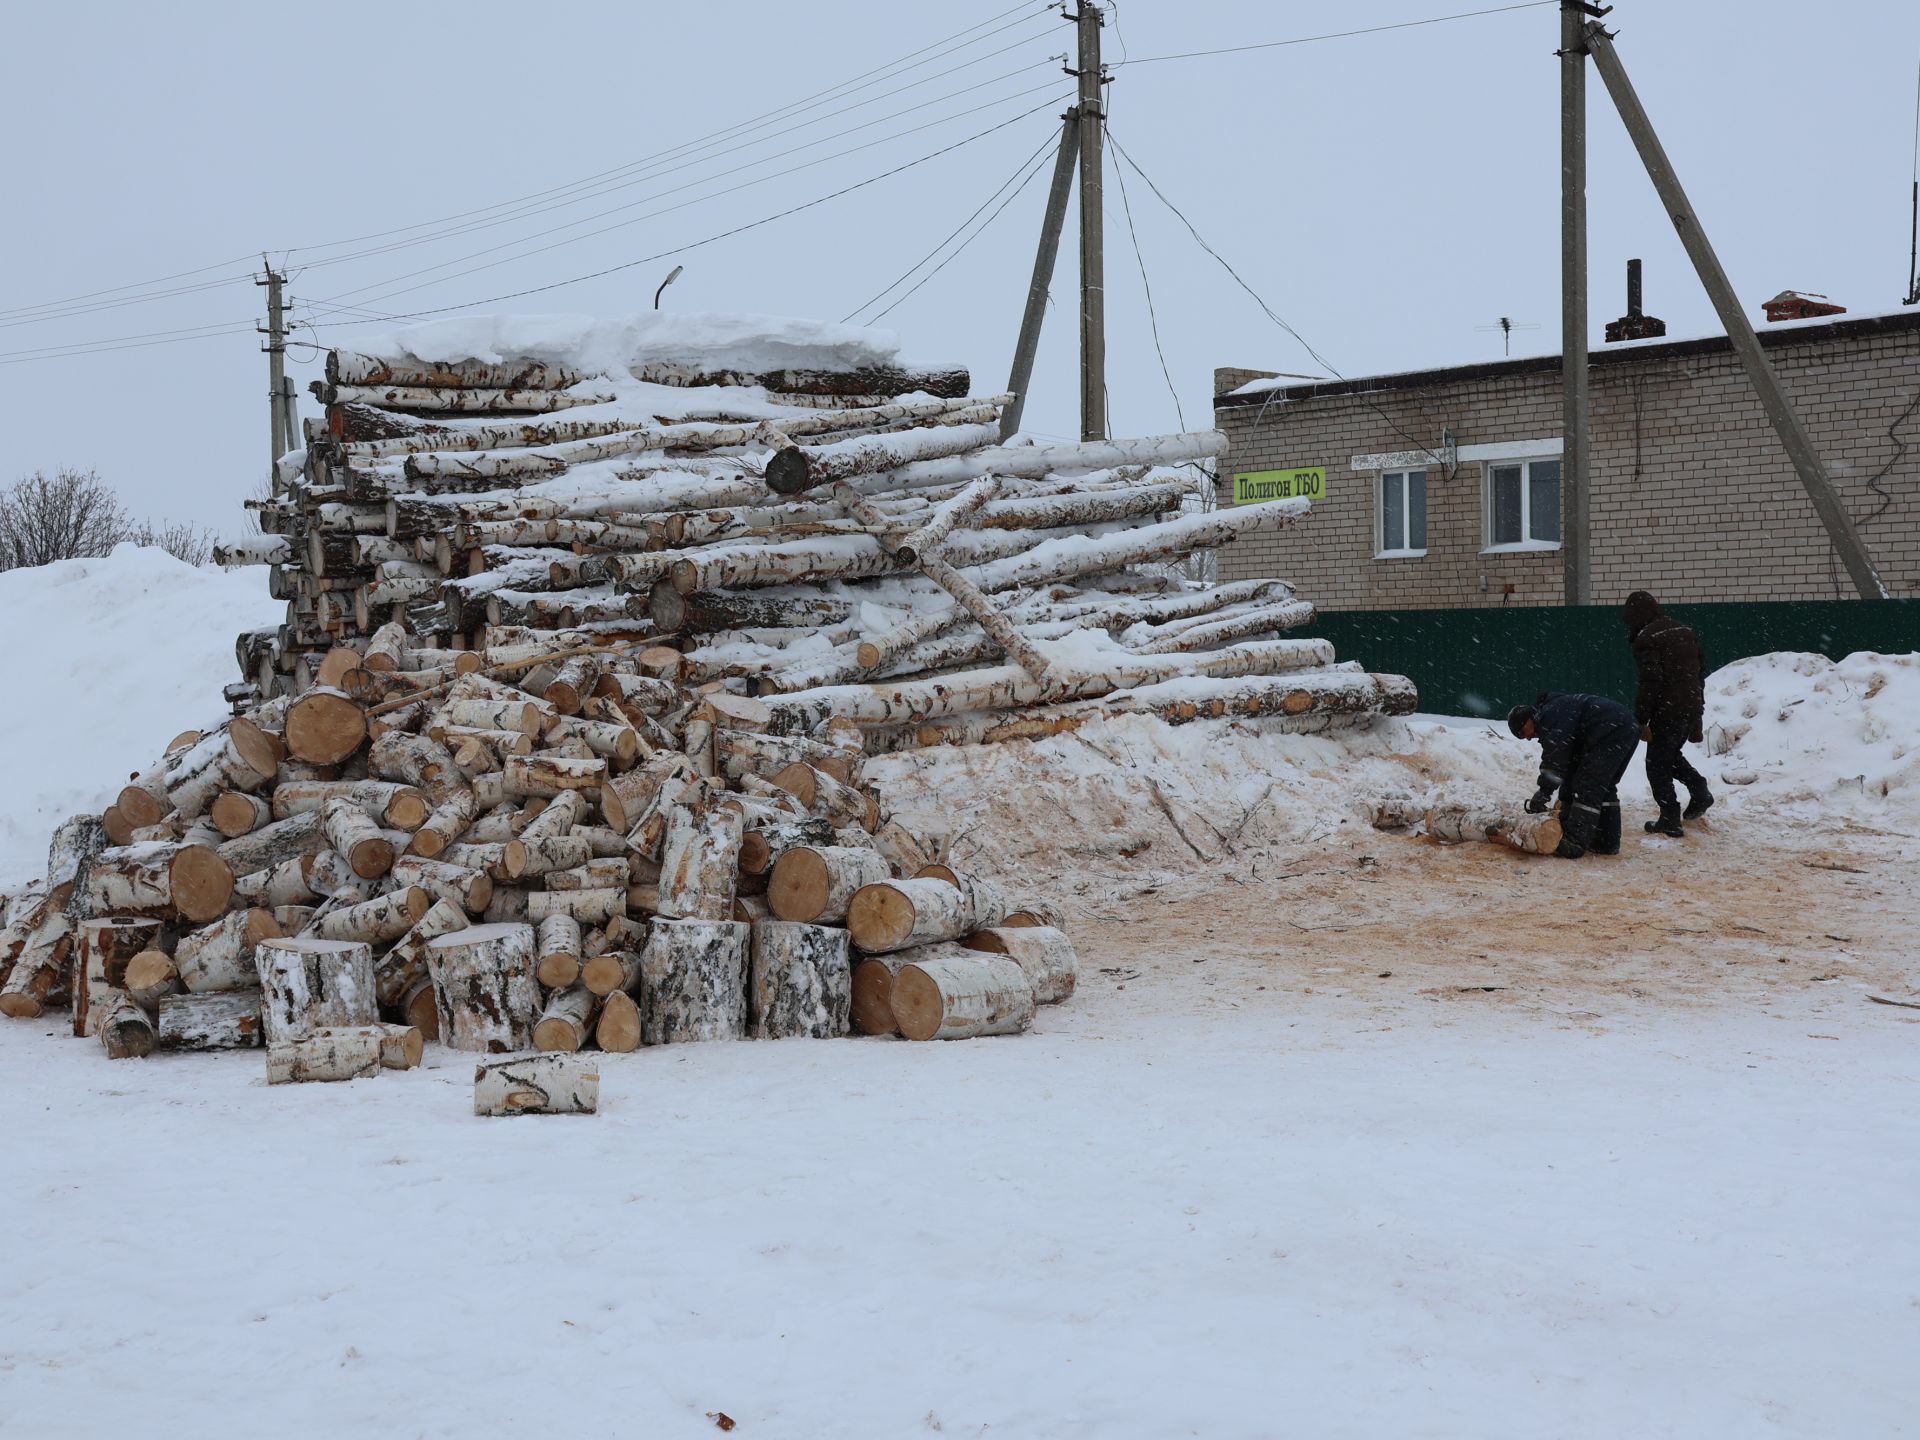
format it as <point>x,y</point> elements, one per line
<point>1668,823</point>
<point>1606,840</point>
<point>1699,801</point>
<point>1577,834</point>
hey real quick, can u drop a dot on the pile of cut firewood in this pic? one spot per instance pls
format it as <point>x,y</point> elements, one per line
<point>560,744</point>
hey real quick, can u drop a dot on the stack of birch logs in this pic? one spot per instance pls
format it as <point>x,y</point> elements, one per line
<point>561,743</point>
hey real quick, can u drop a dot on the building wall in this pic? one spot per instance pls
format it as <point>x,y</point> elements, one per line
<point>1691,496</point>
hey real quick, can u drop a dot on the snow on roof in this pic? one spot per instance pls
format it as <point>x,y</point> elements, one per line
<point>714,340</point>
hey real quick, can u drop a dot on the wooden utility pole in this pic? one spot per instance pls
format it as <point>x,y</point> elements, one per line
<point>1093,282</point>
<point>1576,548</point>
<point>1035,315</point>
<point>280,418</point>
<point>1746,344</point>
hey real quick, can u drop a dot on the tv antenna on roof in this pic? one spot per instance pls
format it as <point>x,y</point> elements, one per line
<point>1506,325</point>
<point>1913,243</point>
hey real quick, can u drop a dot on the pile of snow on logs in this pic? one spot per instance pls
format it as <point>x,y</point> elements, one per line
<point>560,745</point>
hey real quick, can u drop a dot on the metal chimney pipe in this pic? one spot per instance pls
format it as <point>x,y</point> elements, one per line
<point>1633,288</point>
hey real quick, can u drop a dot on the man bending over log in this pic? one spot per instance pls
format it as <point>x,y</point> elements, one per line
<point>1586,744</point>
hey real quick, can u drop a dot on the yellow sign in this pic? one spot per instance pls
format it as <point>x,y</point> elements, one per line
<point>1258,485</point>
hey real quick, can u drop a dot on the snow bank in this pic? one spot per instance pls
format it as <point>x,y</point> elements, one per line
<point>112,658</point>
<point>1796,729</point>
<point>713,340</point>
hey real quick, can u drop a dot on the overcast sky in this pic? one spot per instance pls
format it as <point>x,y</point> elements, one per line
<point>1387,194</point>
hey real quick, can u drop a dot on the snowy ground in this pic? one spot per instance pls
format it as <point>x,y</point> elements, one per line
<point>1345,1134</point>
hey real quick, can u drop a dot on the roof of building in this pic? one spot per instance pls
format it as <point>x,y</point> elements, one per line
<point>1820,328</point>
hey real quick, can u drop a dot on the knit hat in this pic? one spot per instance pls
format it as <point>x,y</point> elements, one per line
<point>1518,719</point>
<point>1640,608</point>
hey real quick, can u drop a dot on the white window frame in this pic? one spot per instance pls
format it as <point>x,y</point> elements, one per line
<point>1526,545</point>
<point>1403,476</point>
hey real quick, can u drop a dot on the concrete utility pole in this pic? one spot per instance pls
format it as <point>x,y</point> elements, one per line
<point>280,415</point>
<point>1093,281</point>
<point>1043,261</point>
<point>1576,547</point>
<point>1786,420</point>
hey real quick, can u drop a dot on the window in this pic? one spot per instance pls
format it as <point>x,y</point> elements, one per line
<point>1401,527</point>
<point>1523,505</point>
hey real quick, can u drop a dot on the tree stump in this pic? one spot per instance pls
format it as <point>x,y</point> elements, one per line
<point>693,981</point>
<point>537,1085</point>
<point>1044,953</point>
<point>948,997</point>
<point>308,984</point>
<point>800,981</point>
<point>484,990</point>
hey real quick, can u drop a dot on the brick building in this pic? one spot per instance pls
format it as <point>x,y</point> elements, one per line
<point>1442,488</point>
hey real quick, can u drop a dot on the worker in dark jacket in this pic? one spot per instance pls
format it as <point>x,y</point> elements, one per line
<point>1670,706</point>
<point>1586,744</point>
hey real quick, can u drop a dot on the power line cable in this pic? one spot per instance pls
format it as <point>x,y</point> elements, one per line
<point>1265,308</point>
<point>677,189</point>
<point>1036,167</point>
<point>1336,34</point>
<point>784,113</point>
<point>945,240</point>
<point>721,235</point>
<point>943,47</point>
<point>1153,320</point>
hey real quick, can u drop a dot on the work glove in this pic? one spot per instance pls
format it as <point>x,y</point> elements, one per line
<point>1539,802</point>
<point>1646,734</point>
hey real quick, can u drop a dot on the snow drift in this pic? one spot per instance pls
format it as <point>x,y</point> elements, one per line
<point>121,655</point>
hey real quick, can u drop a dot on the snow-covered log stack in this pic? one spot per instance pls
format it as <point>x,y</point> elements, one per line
<point>587,635</point>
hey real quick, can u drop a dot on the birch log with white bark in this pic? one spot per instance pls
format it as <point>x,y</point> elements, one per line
<point>343,1052</point>
<point>589,907</point>
<point>301,837</point>
<point>617,1030</point>
<point>307,983</point>
<point>762,846</point>
<point>560,815</point>
<point>800,981</point>
<point>813,884</point>
<point>346,367</point>
<point>537,1085</point>
<point>235,813</point>
<point>150,975</point>
<point>947,997</point>
<point>900,914</point>
<point>557,951</point>
<point>1044,953</point>
<point>76,840</point>
<point>484,987</point>
<point>827,798</point>
<point>693,981</point>
<point>388,804</point>
<point>239,756</point>
<point>220,956</point>
<point>325,726</point>
<point>107,946</point>
<point>404,964</point>
<point>420,761</point>
<point>793,468</point>
<point>447,823</point>
<point>1008,686</point>
<point>566,1021</point>
<point>469,889</point>
<point>548,775</point>
<point>375,921</point>
<point>438,400</point>
<point>222,1020</point>
<point>1536,834</point>
<point>126,1031</point>
<point>159,879</point>
<point>353,835</point>
<point>699,864</point>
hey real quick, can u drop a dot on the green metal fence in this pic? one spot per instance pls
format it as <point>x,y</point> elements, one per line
<point>1482,662</point>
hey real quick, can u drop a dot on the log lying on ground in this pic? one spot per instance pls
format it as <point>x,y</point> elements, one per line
<point>537,1085</point>
<point>126,1031</point>
<point>693,981</point>
<point>946,997</point>
<point>800,981</point>
<point>617,1030</point>
<point>1536,834</point>
<point>224,1020</point>
<point>1042,952</point>
<point>327,1053</point>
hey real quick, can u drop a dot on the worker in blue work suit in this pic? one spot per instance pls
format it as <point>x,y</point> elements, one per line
<point>1586,744</point>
